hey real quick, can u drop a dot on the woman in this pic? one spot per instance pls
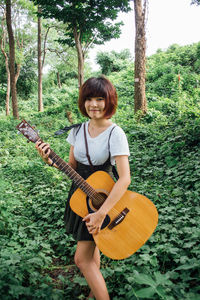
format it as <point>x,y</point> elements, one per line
<point>97,144</point>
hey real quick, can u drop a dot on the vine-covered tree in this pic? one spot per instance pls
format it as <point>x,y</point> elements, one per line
<point>140,103</point>
<point>39,44</point>
<point>3,39</point>
<point>88,22</point>
<point>12,59</point>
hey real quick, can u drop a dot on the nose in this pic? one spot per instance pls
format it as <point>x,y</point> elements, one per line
<point>93,102</point>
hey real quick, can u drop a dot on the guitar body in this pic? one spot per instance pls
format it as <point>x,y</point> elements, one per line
<point>136,218</point>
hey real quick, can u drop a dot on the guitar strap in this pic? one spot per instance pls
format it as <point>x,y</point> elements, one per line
<point>86,147</point>
<point>67,128</point>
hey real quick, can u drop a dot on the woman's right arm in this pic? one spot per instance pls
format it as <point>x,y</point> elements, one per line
<point>44,151</point>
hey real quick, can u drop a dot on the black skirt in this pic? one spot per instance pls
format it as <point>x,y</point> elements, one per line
<point>73,223</point>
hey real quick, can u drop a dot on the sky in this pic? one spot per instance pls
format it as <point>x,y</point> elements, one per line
<point>168,22</point>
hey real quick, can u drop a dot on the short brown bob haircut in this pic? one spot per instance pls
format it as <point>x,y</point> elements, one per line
<point>98,87</point>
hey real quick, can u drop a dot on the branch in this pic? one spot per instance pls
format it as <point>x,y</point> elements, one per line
<point>144,12</point>
<point>88,44</point>
<point>2,49</point>
<point>55,51</point>
<point>45,41</point>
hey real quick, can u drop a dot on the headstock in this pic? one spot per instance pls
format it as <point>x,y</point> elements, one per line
<point>28,131</point>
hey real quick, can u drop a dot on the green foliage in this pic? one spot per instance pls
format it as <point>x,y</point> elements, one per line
<point>164,69</point>
<point>91,19</point>
<point>113,61</point>
<point>27,82</point>
<point>36,256</point>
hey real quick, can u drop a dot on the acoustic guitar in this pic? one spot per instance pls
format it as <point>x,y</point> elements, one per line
<point>127,226</point>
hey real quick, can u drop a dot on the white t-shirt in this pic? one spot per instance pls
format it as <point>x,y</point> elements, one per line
<point>98,146</point>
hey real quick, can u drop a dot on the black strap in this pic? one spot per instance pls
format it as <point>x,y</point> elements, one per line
<point>86,147</point>
<point>67,128</point>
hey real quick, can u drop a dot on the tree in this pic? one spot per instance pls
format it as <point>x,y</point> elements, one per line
<point>40,102</point>
<point>140,103</point>
<point>12,59</point>
<point>3,50</point>
<point>21,41</point>
<point>88,23</point>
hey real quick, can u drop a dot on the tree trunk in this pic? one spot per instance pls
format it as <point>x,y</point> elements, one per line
<point>12,59</point>
<point>40,102</point>
<point>8,93</point>
<point>17,73</point>
<point>80,57</point>
<point>58,80</point>
<point>3,42</point>
<point>140,57</point>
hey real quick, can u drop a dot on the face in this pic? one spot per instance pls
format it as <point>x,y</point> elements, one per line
<point>95,107</point>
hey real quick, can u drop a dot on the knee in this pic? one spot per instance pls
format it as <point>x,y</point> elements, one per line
<point>80,262</point>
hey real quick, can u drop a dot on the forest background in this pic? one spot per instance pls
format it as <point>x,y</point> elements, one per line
<point>36,256</point>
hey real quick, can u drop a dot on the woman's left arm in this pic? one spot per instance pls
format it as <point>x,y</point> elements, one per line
<point>94,221</point>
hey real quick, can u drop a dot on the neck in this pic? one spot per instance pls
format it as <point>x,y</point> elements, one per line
<point>100,122</point>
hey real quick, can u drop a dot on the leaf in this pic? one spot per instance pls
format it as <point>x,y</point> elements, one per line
<point>161,292</point>
<point>145,293</point>
<point>160,278</point>
<point>145,279</point>
<point>80,280</point>
<point>188,267</point>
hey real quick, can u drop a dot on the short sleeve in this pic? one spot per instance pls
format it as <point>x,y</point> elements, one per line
<point>71,137</point>
<point>118,143</point>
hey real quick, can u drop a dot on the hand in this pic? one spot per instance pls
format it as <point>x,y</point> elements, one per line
<point>94,222</point>
<point>44,151</point>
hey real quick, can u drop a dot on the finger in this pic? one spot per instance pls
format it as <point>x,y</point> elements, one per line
<point>37,144</point>
<point>44,146</point>
<point>94,231</point>
<point>44,149</point>
<point>86,218</point>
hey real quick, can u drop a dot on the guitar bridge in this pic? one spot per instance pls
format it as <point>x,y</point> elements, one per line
<point>118,219</point>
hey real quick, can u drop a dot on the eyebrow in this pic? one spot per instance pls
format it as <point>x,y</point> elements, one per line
<point>102,98</point>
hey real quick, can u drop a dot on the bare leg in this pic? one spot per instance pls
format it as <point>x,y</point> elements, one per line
<point>96,257</point>
<point>86,259</point>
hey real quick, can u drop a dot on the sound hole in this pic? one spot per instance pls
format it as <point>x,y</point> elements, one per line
<point>99,200</point>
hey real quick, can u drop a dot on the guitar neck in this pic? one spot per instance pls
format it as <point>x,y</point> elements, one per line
<point>73,175</point>
<point>31,134</point>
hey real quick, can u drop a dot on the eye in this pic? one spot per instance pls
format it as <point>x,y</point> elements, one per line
<point>99,98</point>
